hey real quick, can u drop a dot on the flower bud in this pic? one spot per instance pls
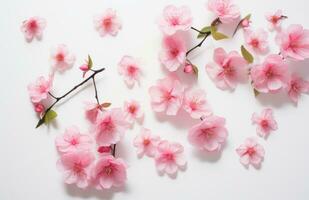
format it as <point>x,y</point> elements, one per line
<point>245,23</point>
<point>84,67</point>
<point>188,68</point>
<point>39,108</point>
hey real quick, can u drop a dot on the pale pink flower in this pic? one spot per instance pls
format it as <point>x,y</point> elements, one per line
<point>228,69</point>
<point>195,103</point>
<point>130,69</point>
<point>132,111</point>
<point>72,140</point>
<point>107,23</point>
<point>33,28</point>
<point>109,172</point>
<point>146,143</point>
<point>250,152</point>
<point>225,10</point>
<point>256,40</point>
<point>210,134</point>
<point>167,95</point>
<point>296,86</point>
<point>91,111</point>
<point>175,19</point>
<point>173,53</point>
<point>169,157</point>
<point>76,167</point>
<point>265,122</point>
<point>38,90</point>
<point>110,127</point>
<point>274,20</point>
<point>61,58</point>
<point>271,75</point>
<point>294,42</point>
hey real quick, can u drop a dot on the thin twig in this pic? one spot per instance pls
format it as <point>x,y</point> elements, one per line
<point>198,45</point>
<point>95,90</point>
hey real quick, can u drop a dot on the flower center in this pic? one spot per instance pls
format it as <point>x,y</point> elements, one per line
<point>174,52</point>
<point>269,73</point>
<point>264,123</point>
<point>60,57</point>
<point>107,22</point>
<point>74,141</point>
<point>275,19</point>
<point>132,109</point>
<point>77,168</point>
<point>207,132</point>
<point>108,170</point>
<point>169,156</point>
<point>174,21</point>
<point>146,142</point>
<point>250,151</point>
<point>255,42</point>
<point>32,25</point>
<point>295,86</point>
<point>108,125</point>
<point>132,69</point>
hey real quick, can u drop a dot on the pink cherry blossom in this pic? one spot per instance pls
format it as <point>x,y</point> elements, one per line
<point>72,140</point>
<point>110,127</point>
<point>209,135</point>
<point>175,19</point>
<point>39,108</point>
<point>274,20</point>
<point>265,122</point>
<point>109,172</point>
<point>167,95</point>
<point>61,58</point>
<point>132,111</point>
<point>38,90</point>
<point>271,75</point>
<point>225,10</point>
<point>256,40</point>
<point>76,167</point>
<point>130,69</point>
<point>173,53</point>
<point>146,143</point>
<point>228,69</point>
<point>107,23</point>
<point>169,157</point>
<point>294,42</point>
<point>251,152</point>
<point>296,86</point>
<point>33,28</point>
<point>92,110</point>
<point>195,103</point>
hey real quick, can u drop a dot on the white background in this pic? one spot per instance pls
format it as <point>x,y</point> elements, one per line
<point>28,156</point>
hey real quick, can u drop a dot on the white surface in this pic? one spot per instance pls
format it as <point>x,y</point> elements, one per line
<point>28,156</point>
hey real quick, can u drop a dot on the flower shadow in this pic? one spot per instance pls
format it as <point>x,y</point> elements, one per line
<point>208,156</point>
<point>174,176</point>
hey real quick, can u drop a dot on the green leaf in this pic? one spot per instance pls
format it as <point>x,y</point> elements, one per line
<point>49,116</point>
<point>256,93</point>
<point>247,17</point>
<point>195,69</point>
<point>90,63</point>
<point>217,35</point>
<point>206,30</point>
<point>246,54</point>
<point>106,105</point>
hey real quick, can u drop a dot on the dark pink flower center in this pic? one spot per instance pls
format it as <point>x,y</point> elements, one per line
<point>255,42</point>
<point>132,69</point>
<point>60,57</point>
<point>207,132</point>
<point>146,142</point>
<point>250,151</point>
<point>174,21</point>
<point>264,123</point>
<point>269,73</point>
<point>275,19</point>
<point>107,22</point>
<point>168,156</point>
<point>33,26</point>
<point>295,87</point>
<point>193,105</point>
<point>174,52</point>
<point>78,167</point>
<point>108,170</point>
<point>108,125</point>
<point>168,96</point>
<point>132,109</point>
<point>74,141</point>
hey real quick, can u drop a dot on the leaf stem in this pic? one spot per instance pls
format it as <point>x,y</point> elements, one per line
<point>95,90</point>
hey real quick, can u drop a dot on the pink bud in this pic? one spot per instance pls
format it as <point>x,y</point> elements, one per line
<point>104,149</point>
<point>188,68</point>
<point>245,23</point>
<point>39,108</point>
<point>84,68</point>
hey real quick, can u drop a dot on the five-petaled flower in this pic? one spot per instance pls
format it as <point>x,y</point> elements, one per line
<point>33,28</point>
<point>107,23</point>
<point>110,127</point>
<point>294,42</point>
<point>296,86</point>
<point>61,58</point>
<point>271,75</point>
<point>274,20</point>
<point>130,69</point>
<point>228,69</point>
<point>209,135</point>
<point>251,152</point>
<point>38,91</point>
<point>76,167</point>
<point>72,140</point>
<point>167,95</point>
<point>256,40</point>
<point>265,122</point>
<point>169,157</point>
<point>175,19</point>
<point>132,111</point>
<point>225,10</point>
<point>146,143</point>
<point>109,171</point>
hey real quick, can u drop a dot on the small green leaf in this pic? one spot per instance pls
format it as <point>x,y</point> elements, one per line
<point>256,93</point>
<point>247,17</point>
<point>49,116</point>
<point>217,35</point>
<point>90,63</point>
<point>246,54</point>
<point>195,69</point>
<point>106,105</point>
<point>205,30</point>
